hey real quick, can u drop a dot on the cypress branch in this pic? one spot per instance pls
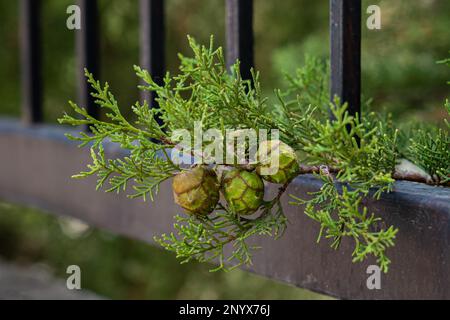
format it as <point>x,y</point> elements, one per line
<point>205,91</point>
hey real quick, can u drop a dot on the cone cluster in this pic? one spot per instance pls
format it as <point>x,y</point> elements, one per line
<point>197,190</point>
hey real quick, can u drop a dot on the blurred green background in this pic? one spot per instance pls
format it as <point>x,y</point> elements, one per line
<point>120,268</point>
<point>399,61</point>
<point>399,73</point>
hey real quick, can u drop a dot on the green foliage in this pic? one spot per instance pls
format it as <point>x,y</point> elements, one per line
<point>399,76</point>
<point>144,164</point>
<point>431,150</point>
<point>363,155</point>
<point>363,151</point>
<point>357,154</point>
<point>204,238</point>
<point>430,147</point>
<point>310,84</point>
<point>447,101</point>
<point>203,91</point>
<point>341,214</point>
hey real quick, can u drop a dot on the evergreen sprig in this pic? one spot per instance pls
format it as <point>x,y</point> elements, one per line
<point>206,239</point>
<point>356,155</point>
<point>362,154</point>
<point>143,165</point>
<point>340,213</point>
<point>431,150</point>
<point>430,147</point>
<point>204,91</point>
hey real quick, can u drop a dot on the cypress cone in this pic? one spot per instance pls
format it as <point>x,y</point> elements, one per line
<point>288,167</point>
<point>243,190</point>
<point>196,190</point>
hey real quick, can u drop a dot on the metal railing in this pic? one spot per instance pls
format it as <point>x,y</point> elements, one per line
<point>345,44</point>
<point>38,162</point>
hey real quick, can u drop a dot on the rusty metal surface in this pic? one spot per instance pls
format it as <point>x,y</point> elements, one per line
<point>420,260</point>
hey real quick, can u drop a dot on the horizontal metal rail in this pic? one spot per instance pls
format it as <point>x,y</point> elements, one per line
<point>420,259</point>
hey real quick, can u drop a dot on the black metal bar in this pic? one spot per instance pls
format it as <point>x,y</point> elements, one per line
<point>152,44</point>
<point>239,24</point>
<point>31,72</point>
<point>345,32</point>
<point>88,53</point>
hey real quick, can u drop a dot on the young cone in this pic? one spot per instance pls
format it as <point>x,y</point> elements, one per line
<point>243,190</point>
<point>196,190</point>
<point>277,152</point>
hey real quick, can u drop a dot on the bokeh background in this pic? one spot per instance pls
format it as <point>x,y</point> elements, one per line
<point>399,73</point>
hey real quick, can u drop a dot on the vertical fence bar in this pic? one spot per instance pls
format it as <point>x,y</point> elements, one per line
<point>87,48</point>
<point>345,32</point>
<point>239,34</point>
<point>152,44</point>
<point>31,73</point>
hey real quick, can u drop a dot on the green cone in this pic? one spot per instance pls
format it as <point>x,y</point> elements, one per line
<point>196,190</point>
<point>243,190</point>
<point>288,167</point>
